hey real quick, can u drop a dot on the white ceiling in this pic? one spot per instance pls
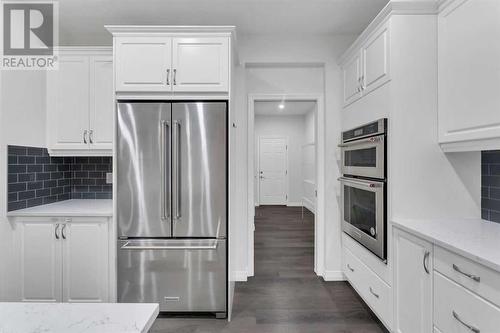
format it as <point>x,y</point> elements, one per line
<point>82,21</point>
<point>292,108</point>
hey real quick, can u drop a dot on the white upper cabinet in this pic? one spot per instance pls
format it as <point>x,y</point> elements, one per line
<point>352,79</point>
<point>80,104</point>
<point>101,110</point>
<point>367,67</point>
<point>143,63</point>
<point>68,103</point>
<point>375,55</point>
<point>172,59</point>
<point>469,75</point>
<point>413,283</point>
<point>200,64</point>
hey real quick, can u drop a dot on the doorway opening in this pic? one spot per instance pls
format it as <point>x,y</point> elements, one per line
<point>286,168</point>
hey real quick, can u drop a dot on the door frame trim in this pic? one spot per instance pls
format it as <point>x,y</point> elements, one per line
<point>319,225</point>
<point>257,156</point>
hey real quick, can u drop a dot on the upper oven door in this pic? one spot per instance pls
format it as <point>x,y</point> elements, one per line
<point>365,157</point>
<point>363,216</point>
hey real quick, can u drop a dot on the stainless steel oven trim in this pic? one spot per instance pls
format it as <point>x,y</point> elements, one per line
<point>377,246</point>
<point>373,172</point>
<point>381,130</point>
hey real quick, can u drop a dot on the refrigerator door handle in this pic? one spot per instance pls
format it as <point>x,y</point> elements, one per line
<point>165,169</point>
<point>129,246</point>
<point>176,170</point>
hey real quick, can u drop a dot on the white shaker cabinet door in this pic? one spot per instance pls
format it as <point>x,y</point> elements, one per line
<point>143,64</point>
<point>469,71</point>
<point>413,283</point>
<point>351,74</point>
<point>68,104</point>
<point>200,64</point>
<point>38,253</point>
<point>376,65</point>
<point>102,103</point>
<point>85,260</point>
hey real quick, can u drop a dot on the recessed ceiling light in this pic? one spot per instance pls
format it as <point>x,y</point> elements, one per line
<point>281,106</point>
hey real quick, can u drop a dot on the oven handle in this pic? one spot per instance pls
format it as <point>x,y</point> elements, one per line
<point>373,139</point>
<point>365,183</point>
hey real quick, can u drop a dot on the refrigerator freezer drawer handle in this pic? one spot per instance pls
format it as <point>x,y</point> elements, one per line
<point>127,246</point>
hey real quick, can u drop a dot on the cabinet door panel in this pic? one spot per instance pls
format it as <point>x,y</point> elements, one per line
<point>469,74</point>
<point>40,262</point>
<point>101,110</point>
<point>351,73</point>
<point>413,284</point>
<point>85,261</point>
<point>201,64</point>
<point>142,63</point>
<point>68,103</point>
<point>376,60</point>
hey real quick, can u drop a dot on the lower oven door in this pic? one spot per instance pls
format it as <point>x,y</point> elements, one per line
<point>180,275</point>
<point>363,213</point>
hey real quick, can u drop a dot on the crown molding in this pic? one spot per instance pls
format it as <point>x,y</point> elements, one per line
<point>394,7</point>
<point>128,30</point>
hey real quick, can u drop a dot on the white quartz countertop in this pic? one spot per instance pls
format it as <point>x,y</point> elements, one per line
<point>475,239</point>
<point>75,207</point>
<point>77,317</point>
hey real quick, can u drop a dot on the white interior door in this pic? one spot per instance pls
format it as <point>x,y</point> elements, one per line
<point>273,171</point>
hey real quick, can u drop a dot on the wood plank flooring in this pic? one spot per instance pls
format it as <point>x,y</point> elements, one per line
<point>285,295</point>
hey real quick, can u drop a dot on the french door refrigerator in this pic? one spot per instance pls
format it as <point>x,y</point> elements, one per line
<point>172,205</point>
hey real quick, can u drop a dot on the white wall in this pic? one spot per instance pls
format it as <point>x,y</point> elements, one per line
<point>305,50</point>
<point>291,127</point>
<point>22,122</point>
<point>309,162</point>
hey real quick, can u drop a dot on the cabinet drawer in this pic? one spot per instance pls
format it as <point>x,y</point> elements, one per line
<point>457,310</point>
<point>480,279</point>
<point>375,292</point>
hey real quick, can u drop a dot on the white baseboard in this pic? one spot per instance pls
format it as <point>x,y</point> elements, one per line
<point>333,276</point>
<point>239,276</point>
<point>294,204</point>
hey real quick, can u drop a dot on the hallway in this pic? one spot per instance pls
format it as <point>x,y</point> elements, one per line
<point>285,295</point>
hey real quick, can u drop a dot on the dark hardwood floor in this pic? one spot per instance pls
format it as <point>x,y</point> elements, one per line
<point>285,295</point>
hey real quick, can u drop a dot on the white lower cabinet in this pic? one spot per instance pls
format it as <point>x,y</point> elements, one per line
<point>374,291</point>
<point>62,259</point>
<point>413,262</point>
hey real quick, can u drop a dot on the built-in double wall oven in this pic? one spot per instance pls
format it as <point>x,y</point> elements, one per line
<point>364,185</point>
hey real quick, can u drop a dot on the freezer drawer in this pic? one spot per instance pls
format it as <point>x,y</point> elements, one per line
<point>180,275</point>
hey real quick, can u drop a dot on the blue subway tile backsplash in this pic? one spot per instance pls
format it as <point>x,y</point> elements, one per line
<point>35,178</point>
<point>490,185</point>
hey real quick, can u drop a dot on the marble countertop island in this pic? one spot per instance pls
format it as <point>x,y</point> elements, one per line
<point>473,238</point>
<point>69,208</point>
<point>77,317</point>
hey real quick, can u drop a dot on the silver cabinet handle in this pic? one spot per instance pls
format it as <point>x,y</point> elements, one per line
<point>470,327</point>
<point>128,246</point>
<point>373,293</point>
<point>176,170</point>
<point>62,231</point>
<point>85,136</point>
<point>350,268</point>
<point>165,163</point>
<point>91,136</point>
<point>362,83</point>
<point>470,276</point>
<point>168,76</point>
<point>425,261</point>
<point>175,76</point>
<point>56,233</point>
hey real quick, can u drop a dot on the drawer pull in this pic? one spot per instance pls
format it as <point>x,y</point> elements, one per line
<point>373,293</point>
<point>470,276</point>
<point>470,327</point>
<point>350,268</point>
<point>426,260</point>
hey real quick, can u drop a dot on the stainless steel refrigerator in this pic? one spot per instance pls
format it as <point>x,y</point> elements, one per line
<point>172,205</point>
